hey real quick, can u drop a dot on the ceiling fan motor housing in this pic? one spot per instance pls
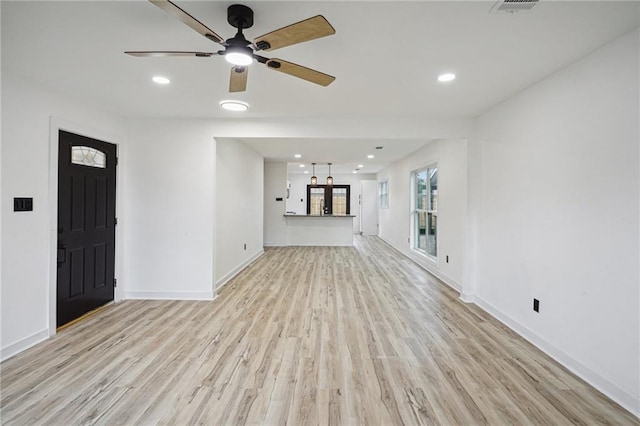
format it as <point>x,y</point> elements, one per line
<point>240,16</point>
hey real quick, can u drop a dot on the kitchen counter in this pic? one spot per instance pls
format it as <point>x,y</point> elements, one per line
<point>319,215</point>
<point>319,230</point>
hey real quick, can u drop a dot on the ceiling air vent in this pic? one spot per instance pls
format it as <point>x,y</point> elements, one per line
<point>512,6</point>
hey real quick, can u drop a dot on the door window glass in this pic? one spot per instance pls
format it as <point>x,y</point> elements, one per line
<point>339,203</point>
<point>316,200</point>
<point>425,212</point>
<point>87,156</point>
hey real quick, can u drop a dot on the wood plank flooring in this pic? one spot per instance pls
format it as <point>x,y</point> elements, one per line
<point>304,336</point>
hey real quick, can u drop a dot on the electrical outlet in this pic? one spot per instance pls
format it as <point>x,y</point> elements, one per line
<point>536,305</point>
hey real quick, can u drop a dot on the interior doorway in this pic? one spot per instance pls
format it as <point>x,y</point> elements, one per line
<point>369,207</point>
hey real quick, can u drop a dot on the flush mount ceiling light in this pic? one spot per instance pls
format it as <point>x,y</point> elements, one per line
<point>161,80</point>
<point>314,178</point>
<point>370,156</point>
<point>297,155</point>
<point>234,106</point>
<point>329,178</point>
<point>447,77</point>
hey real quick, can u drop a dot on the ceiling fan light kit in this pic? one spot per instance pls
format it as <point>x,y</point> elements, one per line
<point>241,52</point>
<point>238,57</point>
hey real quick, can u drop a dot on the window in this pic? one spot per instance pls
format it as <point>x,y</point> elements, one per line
<point>425,213</point>
<point>384,194</point>
<point>339,200</point>
<point>87,156</point>
<point>316,200</point>
<point>334,199</point>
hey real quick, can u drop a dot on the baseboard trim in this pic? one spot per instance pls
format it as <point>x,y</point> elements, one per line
<point>439,275</point>
<point>274,245</point>
<point>467,298</point>
<point>169,295</point>
<point>612,391</point>
<point>23,344</point>
<point>222,281</point>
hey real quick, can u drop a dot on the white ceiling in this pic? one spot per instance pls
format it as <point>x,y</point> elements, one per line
<point>386,57</point>
<point>344,154</point>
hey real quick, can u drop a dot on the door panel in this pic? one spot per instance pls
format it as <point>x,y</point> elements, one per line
<point>369,207</point>
<point>86,225</point>
<point>76,203</point>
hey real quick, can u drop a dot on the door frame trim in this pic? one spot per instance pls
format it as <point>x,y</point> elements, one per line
<point>55,125</point>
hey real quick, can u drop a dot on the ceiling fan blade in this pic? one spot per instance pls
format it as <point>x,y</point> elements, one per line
<point>238,80</point>
<point>161,54</point>
<point>301,72</point>
<point>309,29</point>
<point>179,13</point>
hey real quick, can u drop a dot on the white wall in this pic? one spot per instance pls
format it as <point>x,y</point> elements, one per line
<point>558,217</point>
<point>169,198</point>
<point>239,208</point>
<point>27,236</point>
<point>275,186</point>
<point>298,192</point>
<point>395,222</point>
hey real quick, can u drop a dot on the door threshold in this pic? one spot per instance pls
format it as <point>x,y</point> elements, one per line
<point>87,315</point>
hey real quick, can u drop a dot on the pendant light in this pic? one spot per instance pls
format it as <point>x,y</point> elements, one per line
<point>329,178</point>
<point>314,179</point>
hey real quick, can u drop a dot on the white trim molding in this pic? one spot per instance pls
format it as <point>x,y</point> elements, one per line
<point>424,264</point>
<point>611,390</point>
<point>55,125</point>
<point>24,344</point>
<point>169,295</point>
<point>225,279</point>
<point>467,297</point>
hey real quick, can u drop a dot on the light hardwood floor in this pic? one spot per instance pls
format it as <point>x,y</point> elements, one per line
<point>303,336</point>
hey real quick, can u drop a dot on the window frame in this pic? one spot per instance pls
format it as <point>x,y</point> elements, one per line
<point>427,210</point>
<point>383,195</point>
<point>328,197</point>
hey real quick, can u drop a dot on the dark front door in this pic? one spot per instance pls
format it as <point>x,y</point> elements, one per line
<point>86,225</point>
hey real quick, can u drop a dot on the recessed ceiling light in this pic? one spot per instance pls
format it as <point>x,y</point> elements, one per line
<point>301,165</point>
<point>161,80</point>
<point>354,172</point>
<point>298,156</point>
<point>234,105</point>
<point>360,166</point>
<point>446,77</point>
<point>306,172</point>
<point>370,156</point>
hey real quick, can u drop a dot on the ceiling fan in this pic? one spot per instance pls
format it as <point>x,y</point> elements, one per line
<point>241,52</point>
